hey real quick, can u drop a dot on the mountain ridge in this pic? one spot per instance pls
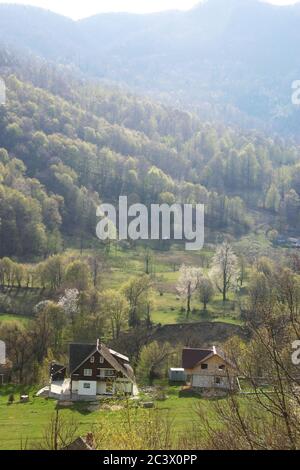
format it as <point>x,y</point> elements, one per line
<point>235,64</point>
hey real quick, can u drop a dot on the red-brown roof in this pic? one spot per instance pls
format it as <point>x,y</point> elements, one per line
<point>192,356</point>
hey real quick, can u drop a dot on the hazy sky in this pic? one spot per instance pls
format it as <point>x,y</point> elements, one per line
<point>82,8</point>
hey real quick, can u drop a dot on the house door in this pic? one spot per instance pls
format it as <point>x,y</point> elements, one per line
<point>101,388</point>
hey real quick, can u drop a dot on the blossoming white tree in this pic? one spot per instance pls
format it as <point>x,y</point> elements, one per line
<point>69,303</point>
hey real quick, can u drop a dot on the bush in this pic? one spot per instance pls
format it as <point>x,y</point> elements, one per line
<point>11,399</point>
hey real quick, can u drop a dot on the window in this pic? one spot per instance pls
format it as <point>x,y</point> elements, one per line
<point>86,385</point>
<point>204,366</point>
<point>217,380</point>
<point>109,373</point>
<point>101,359</point>
<point>87,372</point>
<point>222,367</point>
<point>92,360</point>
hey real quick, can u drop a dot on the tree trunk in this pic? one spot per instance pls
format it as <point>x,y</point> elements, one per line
<point>188,310</point>
<point>224,288</point>
<point>151,376</point>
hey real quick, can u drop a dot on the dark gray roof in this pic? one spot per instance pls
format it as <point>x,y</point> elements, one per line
<point>78,352</point>
<point>54,368</point>
<point>125,369</point>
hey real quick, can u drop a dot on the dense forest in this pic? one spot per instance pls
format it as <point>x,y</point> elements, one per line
<point>67,144</point>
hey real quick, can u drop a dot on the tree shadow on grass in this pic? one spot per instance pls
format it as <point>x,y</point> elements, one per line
<point>83,408</point>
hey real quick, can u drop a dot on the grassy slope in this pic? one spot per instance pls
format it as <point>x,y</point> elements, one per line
<point>125,263</point>
<point>9,318</point>
<point>165,265</point>
<point>26,422</point>
<point>21,423</point>
<point>167,305</point>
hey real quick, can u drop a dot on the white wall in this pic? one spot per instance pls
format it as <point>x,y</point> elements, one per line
<point>2,349</point>
<point>92,391</point>
<point>75,385</point>
<point>123,387</point>
<point>208,381</point>
<point>101,388</point>
<point>202,381</point>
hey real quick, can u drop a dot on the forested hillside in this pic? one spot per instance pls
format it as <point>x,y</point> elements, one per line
<point>231,60</point>
<point>67,144</point>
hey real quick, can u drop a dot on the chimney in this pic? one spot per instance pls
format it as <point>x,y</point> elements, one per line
<point>98,344</point>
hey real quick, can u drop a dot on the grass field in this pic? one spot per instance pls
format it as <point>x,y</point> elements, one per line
<point>9,318</point>
<point>168,307</point>
<point>25,424</point>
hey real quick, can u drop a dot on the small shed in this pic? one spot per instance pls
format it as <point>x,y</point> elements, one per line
<point>57,372</point>
<point>177,375</point>
<point>24,398</point>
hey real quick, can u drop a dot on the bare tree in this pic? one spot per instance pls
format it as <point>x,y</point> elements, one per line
<point>116,308</point>
<point>225,269</point>
<point>98,267</point>
<point>137,291</point>
<point>187,284</point>
<point>59,433</point>
<point>19,346</point>
<point>267,418</point>
<point>205,290</point>
<point>153,358</point>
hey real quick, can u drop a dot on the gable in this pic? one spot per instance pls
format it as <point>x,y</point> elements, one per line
<point>94,363</point>
<point>81,354</point>
<point>78,353</point>
<point>213,360</point>
<point>94,367</point>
